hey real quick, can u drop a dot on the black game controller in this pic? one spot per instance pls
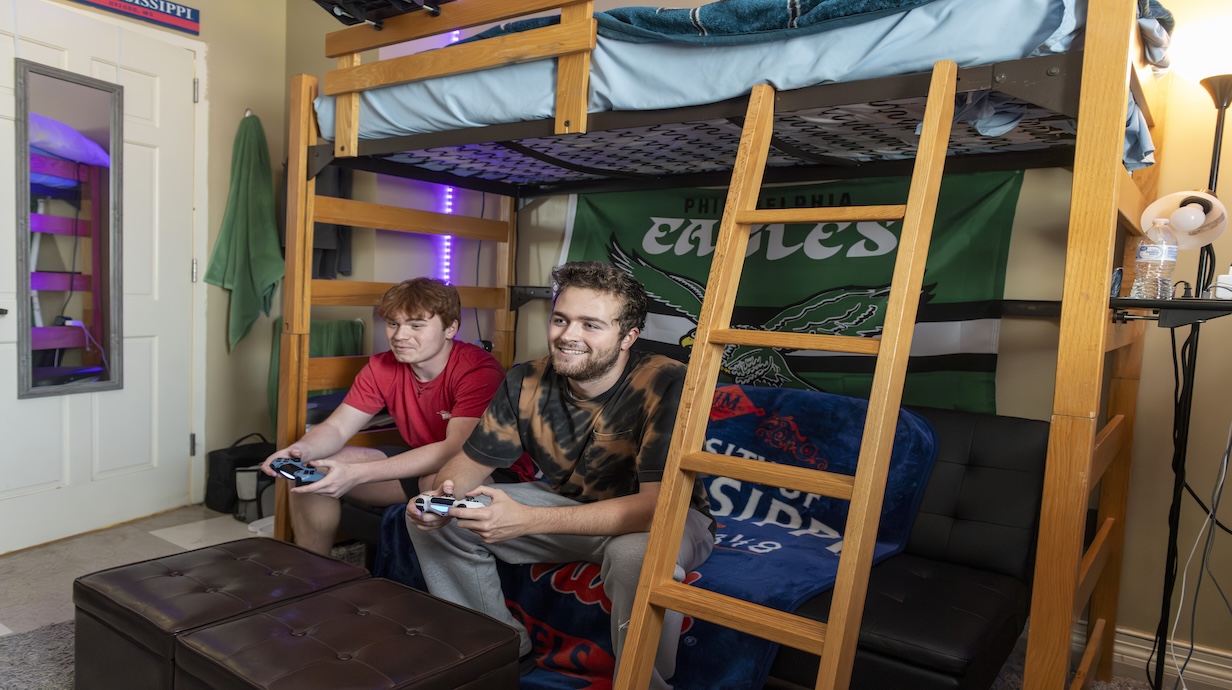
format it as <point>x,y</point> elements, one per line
<point>296,471</point>
<point>440,505</point>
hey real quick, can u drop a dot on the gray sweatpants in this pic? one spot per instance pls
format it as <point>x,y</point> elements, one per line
<point>459,567</point>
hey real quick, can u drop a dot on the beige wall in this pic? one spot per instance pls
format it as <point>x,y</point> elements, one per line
<point>245,63</point>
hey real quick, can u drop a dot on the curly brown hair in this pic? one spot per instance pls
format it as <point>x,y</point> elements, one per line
<point>609,279</point>
<point>422,298</point>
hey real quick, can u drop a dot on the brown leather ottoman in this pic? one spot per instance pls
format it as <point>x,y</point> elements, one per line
<point>368,634</point>
<point>128,617</point>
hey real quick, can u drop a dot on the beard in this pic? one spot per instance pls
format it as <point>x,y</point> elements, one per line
<point>595,364</point>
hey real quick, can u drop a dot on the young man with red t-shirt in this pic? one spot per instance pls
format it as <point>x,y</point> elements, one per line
<point>434,387</point>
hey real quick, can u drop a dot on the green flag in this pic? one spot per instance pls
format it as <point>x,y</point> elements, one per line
<point>830,278</point>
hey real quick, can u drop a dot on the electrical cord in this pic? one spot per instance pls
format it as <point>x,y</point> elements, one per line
<point>90,337</point>
<point>1183,362</point>
<point>483,202</point>
<point>1216,495</point>
<point>1182,391</point>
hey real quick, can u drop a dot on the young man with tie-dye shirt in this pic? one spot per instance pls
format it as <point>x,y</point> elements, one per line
<point>597,419</point>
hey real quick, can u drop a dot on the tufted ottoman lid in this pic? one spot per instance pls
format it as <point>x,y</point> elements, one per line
<point>372,633</point>
<point>152,601</point>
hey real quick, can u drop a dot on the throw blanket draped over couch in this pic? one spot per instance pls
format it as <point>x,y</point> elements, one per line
<point>773,546</point>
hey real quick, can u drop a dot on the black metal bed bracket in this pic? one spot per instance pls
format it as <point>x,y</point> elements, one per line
<point>1171,318</point>
<point>1045,81</point>
<point>319,156</point>
<point>522,294</point>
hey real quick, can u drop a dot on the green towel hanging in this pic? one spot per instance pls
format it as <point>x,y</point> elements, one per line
<point>247,259</point>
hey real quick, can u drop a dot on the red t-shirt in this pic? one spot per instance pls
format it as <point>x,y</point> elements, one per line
<point>464,389</point>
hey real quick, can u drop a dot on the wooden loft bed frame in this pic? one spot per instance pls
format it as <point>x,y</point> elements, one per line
<point>1086,449</point>
<point>94,227</point>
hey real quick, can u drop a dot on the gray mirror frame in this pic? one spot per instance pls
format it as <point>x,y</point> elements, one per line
<point>115,339</point>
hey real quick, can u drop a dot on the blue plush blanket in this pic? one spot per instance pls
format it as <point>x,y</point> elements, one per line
<point>774,547</point>
<point>728,22</point>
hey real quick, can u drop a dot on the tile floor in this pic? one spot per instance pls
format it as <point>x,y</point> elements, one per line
<point>36,584</point>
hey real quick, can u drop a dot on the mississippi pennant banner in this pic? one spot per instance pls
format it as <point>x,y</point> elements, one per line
<point>828,278</point>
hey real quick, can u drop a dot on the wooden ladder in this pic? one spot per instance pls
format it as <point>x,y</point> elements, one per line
<point>657,591</point>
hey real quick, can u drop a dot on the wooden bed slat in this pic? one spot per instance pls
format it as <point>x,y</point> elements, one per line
<point>56,337</point>
<point>453,16</point>
<point>63,282</point>
<point>823,214</point>
<point>525,46</point>
<point>59,225</point>
<point>333,372</point>
<point>58,167</point>
<point>355,293</point>
<point>1093,562</point>
<point>1091,657</point>
<point>329,209</point>
<point>1108,445</point>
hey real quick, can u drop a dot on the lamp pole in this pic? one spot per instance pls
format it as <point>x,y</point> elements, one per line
<point>1220,89</point>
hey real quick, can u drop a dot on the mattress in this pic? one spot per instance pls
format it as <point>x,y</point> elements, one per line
<point>649,76</point>
<point>652,76</point>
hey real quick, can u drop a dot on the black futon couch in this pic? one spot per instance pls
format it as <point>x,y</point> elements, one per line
<point>946,612</point>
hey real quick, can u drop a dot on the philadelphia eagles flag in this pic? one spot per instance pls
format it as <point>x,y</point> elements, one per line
<point>829,278</point>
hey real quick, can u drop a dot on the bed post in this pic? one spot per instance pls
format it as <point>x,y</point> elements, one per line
<point>573,72</point>
<point>506,263</point>
<point>1079,451</point>
<point>346,115</point>
<point>95,313</point>
<point>297,286</point>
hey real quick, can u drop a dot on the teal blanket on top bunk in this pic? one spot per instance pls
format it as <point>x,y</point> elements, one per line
<point>727,22</point>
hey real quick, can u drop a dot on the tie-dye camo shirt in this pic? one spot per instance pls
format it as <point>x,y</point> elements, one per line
<point>588,450</point>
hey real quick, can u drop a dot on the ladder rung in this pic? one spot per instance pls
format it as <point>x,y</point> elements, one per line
<point>824,214</point>
<point>771,474</point>
<point>754,619</point>
<point>795,341</point>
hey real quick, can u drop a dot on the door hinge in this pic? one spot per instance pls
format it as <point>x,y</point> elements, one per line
<point>192,445</point>
<point>194,271</point>
<point>196,93</point>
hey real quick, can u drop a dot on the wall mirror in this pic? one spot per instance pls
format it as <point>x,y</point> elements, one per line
<point>69,145</point>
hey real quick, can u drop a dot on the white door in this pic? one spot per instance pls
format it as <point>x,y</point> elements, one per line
<point>74,463</point>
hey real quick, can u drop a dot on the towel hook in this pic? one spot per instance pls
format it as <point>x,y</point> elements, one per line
<point>247,112</point>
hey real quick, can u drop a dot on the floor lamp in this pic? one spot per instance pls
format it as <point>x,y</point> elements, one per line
<point>1220,89</point>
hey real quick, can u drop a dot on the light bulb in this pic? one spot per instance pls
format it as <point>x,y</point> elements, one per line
<point>1187,218</point>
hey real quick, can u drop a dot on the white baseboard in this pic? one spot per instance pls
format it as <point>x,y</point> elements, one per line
<point>1208,668</point>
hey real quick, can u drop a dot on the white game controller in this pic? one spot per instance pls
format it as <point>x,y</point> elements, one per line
<point>441,504</point>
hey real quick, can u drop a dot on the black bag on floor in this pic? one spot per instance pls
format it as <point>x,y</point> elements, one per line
<point>221,466</point>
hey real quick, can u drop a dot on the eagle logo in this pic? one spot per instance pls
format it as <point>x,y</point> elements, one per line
<point>850,310</point>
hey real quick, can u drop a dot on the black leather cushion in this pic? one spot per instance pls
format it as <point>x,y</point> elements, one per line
<point>152,601</point>
<point>923,613</point>
<point>128,617</point>
<point>947,611</point>
<point>371,634</point>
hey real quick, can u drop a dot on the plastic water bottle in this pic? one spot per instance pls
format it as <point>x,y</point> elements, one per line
<point>1154,262</point>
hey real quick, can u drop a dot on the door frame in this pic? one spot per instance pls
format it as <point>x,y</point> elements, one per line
<point>200,230</point>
